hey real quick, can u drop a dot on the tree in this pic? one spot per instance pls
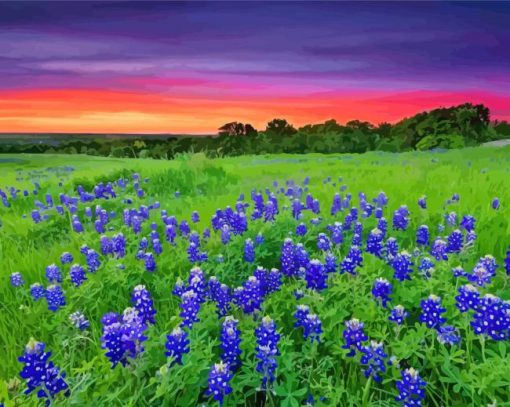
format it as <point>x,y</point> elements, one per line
<point>280,127</point>
<point>232,129</point>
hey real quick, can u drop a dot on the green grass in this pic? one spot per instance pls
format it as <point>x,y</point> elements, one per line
<point>475,373</point>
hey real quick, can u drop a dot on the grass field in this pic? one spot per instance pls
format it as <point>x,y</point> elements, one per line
<point>475,371</point>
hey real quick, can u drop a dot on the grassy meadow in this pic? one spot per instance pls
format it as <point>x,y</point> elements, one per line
<point>475,371</point>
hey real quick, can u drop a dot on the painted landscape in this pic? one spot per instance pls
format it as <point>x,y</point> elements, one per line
<point>196,211</point>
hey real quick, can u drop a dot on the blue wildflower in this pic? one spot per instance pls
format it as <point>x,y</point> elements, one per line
<point>422,235</point>
<point>66,258</point>
<point>492,318</point>
<point>230,342</point>
<point>448,335</point>
<point>402,266</point>
<point>354,336</point>
<point>249,251</point>
<point>353,260</point>
<point>55,297</point>
<point>190,305</point>
<point>267,349</point>
<point>77,275</point>
<point>17,279</point>
<point>468,298</point>
<point>37,291</point>
<point>40,372</point>
<point>177,345</point>
<point>411,388</point>
<point>374,357</point>
<point>439,250</point>
<point>375,242</point>
<point>431,312</point>
<point>219,378</point>
<point>149,262</point>
<point>79,321</point>
<point>382,290</point>
<point>455,240</point>
<point>311,324</point>
<point>398,314</point>
<point>315,275</point>
<point>142,302</point>
<point>53,274</point>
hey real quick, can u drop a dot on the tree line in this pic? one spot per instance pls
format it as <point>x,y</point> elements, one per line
<point>442,128</point>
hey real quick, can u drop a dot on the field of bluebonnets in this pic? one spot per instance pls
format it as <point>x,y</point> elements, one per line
<point>343,280</point>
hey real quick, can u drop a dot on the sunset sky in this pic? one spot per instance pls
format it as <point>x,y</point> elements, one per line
<point>129,67</point>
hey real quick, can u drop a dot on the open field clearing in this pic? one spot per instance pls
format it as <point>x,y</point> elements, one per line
<point>378,279</point>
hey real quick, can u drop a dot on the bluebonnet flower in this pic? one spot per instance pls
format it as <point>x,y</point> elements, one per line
<point>259,239</point>
<point>249,251</point>
<point>271,211</point>
<point>77,275</point>
<point>225,234</point>
<point>480,276</point>
<point>288,264</point>
<point>149,262</point>
<point>451,219</point>
<point>194,255</point>
<point>448,335</point>
<point>315,275</point>
<point>323,242</point>
<point>489,262</point>
<point>431,312</point>
<point>55,297</point>
<point>142,302</point>
<point>378,213</point>
<point>422,235</point>
<point>354,336</point>
<point>374,357</point>
<point>315,221</point>
<point>99,226</point>
<point>179,288</point>
<point>382,290</point>
<point>422,202</point>
<point>119,245</point>
<point>375,242</point>
<point>439,250</point>
<point>468,298</point>
<point>219,293</point>
<point>357,240</point>
<point>391,248</point>
<point>79,321</point>
<point>402,266</point>
<point>170,233</point>
<point>143,244</point>
<point>197,283</point>
<point>459,272</point>
<point>249,297</point>
<point>184,228</point>
<point>267,350</point>
<point>353,260</point>
<point>66,258</point>
<point>330,263</point>
<point>53,273</point>
<point>411,389</point>
<point>17,279</point>
<point>219,378</point>
<point>455,240</point>
<point>36,216</point>
<point>495,203</point>
<point>336,233</point>
<point>311,324</point>
<point>398,314</point>
<point>136,224</point>
<point>93,262</point>
<point>37,291</point>
<point>336,206</point>
<point>106,245</point>
<point>492,318</point>
<point>382,225</point>
<point>177,344</point>
<point>195,217</point>
<point>426,267</point>
<point>468,223</point>
<point>298,294</point>
<point>401,218</point>
<point>301,229</point>
<point>230,341</point>
<point>296,209</point>
<point>77,226</point>
<point>190,305</point>
<point>123,337</point>
<point>40,372</point>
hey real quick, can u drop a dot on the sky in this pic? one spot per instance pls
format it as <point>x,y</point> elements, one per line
<point>189,67</point>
